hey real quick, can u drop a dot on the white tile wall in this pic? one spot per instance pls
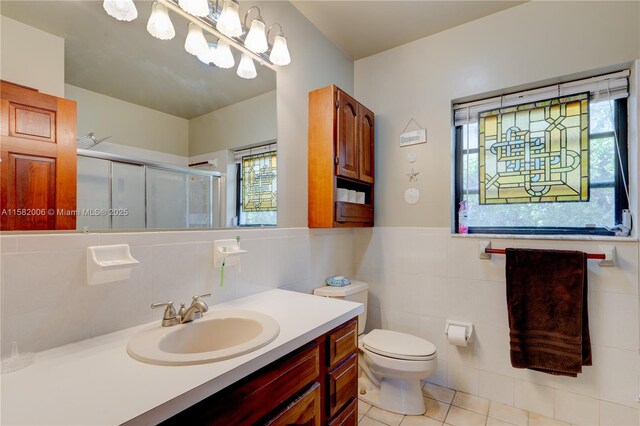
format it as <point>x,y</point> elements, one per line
<point>418,277</point>
<point>425,275</point>
<point>535,398</point>
<point>46,301</point>
<point>576,409</point>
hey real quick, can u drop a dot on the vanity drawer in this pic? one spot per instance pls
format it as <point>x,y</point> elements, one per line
<point>348,416</point>
<point>251,399</point>
<point>303,410</point>
<point>343,385</point>
<point>343,342</point>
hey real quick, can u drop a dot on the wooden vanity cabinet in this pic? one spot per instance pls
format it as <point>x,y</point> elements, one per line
<point>315,385</point>
<point>341,155</point>
<point>38,153</point>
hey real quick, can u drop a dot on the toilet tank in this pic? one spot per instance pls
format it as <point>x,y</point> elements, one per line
<point>354,292</point>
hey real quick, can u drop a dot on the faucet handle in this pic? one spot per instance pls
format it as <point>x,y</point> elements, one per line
<point>197,298</point>
<point>201,296</point>
<point>169,317</point>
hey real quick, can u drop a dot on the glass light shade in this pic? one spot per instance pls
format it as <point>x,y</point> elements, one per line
<point>159,24</point>
<point>195,7</point>
<point>229,21</point>
<point>195,42</point>
<point>257,37</point>
<point>223,57</point>
<point>247,69</point>
<point>280,52</point>
<point>208,56</point>
<point>122,10</point>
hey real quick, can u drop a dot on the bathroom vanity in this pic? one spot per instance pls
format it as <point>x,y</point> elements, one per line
<point>316,385</point>
<point>309,372</point>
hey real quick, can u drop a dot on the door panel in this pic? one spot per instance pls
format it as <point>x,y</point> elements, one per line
<point>366,148</point>
<point>38,150</point>
<point>347,137</point>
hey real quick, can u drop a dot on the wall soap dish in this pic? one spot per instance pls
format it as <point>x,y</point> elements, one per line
<point>226,252</point>
<point>107,264</point>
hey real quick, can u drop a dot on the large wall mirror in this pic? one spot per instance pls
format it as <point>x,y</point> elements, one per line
<point>164,140</point>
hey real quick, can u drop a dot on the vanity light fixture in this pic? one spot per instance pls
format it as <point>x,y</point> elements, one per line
<point>223,57</point>
<point>247,68</point>
<point>208,56</point>
<point>222,23</point>
<point>159,24</point>
<point>195,42</point>
<point>122,10</point>
<point>229,20</point>
<point>256,39</point>
<point>279,52</point>
<point>195,7</point>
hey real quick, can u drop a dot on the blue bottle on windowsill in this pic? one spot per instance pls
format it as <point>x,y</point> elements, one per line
<point>463,227</point>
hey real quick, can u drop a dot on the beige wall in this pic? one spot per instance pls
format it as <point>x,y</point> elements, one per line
<point>533,42</point>
<point>37,61</point>
<point>245,123</point>
<point>129,124</point>
<point>315,63</point>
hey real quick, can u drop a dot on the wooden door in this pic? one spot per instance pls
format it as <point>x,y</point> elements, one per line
<point>38,154</point>
<point>366,145</point>
<point>347,136</point>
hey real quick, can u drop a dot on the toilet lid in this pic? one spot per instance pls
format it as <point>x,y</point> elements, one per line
<point>398,345</point>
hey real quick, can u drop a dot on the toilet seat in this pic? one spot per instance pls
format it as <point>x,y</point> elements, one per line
<point>393,344</point>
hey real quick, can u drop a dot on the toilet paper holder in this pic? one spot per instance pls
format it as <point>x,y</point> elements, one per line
<point>468,334</point>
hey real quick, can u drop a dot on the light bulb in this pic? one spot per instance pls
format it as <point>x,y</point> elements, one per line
<point>195,42</point>
<point>223,57</point>
<point>122,10</point>
<point>195,7</point>
<point>280,52</point>
<point>229,21</point>
<point>247,68</point>
<point>159,24</point>
<point>257,37</point>
<point>208,56</point>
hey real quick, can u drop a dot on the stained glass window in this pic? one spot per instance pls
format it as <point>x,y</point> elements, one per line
<point>259,183</point>
<point>535,153</point>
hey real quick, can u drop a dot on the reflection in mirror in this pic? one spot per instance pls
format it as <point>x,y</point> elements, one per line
<point>161,136</point>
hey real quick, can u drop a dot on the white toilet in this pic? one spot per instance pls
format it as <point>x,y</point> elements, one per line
<point>393,363</point>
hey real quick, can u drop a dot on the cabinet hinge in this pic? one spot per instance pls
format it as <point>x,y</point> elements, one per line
<point>337,104</point>
<point>337,160</point>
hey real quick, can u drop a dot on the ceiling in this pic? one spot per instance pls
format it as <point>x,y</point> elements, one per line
<point>121,59</point>
<point>363,28</point>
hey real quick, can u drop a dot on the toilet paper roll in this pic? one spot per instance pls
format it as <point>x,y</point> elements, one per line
<point>352,196</point>
<point>456,335</point>
<point>343,194</point>
<point>360,197</point>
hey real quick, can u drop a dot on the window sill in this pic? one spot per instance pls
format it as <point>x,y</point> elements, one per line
<point>546,237</point>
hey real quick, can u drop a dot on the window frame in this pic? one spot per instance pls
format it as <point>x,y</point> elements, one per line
<point>239,180</point>
<point>620,198</point>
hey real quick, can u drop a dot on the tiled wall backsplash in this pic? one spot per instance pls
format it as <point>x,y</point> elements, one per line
<point>46,301</point>
<point>420,277</point>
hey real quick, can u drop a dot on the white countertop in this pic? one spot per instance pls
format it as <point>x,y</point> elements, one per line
<point>95,381</point>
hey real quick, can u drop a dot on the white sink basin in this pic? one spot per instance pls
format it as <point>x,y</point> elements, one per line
<point>217,336</point>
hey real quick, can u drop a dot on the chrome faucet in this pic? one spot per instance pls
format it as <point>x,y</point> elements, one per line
<point>195,311</point>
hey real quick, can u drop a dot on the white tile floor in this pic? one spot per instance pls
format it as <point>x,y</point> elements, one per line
<point>448,407</point>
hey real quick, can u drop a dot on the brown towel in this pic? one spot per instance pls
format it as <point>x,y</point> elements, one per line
<point>547,304</point>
